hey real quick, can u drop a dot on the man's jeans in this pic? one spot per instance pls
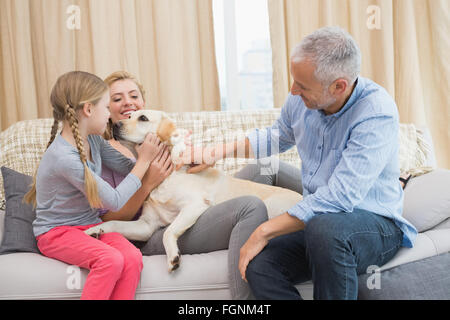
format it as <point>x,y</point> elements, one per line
<point>332,250</point>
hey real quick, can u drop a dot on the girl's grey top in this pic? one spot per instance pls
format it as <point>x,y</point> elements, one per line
<point>60,193</point>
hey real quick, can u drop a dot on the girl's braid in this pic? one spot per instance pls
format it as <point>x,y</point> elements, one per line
<point>73,121</point>
<point>53,132</point>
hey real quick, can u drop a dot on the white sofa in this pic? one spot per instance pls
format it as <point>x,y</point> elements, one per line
<point>27,275</point>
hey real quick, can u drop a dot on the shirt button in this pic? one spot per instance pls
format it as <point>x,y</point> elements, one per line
<point>319,147</point>
<point>310,173</point>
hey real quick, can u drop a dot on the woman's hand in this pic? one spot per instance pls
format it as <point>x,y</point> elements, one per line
<point>254,245</point>
<point>160,168</point>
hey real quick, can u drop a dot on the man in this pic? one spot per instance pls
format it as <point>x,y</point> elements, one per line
<point>345,128</point>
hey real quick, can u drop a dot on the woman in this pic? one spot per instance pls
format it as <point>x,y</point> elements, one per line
<point>224,226</point>
<point>127,95</point>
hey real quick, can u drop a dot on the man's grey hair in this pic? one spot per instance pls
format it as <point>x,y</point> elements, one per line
<point>334,53</point>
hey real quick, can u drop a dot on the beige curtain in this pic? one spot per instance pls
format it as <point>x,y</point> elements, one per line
<point>167,44</point>
<point>405,47</point>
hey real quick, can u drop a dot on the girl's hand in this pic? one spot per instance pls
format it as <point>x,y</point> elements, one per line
<point>159,169</point>
<point>149,148</point>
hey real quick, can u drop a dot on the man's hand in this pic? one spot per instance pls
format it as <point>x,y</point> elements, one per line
<point>275,227</point>
<point>198,158</point>
<point>254,245</point>
<point>202,158</point>
<point>187,138</point>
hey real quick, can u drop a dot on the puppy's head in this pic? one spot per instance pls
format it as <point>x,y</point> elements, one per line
<point>143,122</point>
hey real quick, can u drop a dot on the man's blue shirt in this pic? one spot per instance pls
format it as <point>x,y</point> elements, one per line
<point>349,159</point>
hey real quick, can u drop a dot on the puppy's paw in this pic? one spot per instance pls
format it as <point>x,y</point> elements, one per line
<point>95,232</point>
<point>174,263</point>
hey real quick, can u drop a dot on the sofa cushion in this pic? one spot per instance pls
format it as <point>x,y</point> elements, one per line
<point>416,148</point>
<point>34,276</point>
<point>18,231</point>
<point>427,199</point>
<point>22,146</point>
<point>200,276</point>
<point>423,279</point>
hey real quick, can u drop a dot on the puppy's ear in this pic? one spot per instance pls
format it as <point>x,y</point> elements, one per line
<point>166,128</point>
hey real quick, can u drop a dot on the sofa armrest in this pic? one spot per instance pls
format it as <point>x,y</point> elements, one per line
<point>428,244</point>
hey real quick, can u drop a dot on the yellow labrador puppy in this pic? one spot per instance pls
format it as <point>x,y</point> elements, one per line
<point>181,198</point>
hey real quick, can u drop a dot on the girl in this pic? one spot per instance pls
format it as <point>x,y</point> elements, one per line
<point>224,226</point>
<point>67,189</point>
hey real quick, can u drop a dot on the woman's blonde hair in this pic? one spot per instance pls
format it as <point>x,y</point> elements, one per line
<point>109,80</point>
<point>69,94</point>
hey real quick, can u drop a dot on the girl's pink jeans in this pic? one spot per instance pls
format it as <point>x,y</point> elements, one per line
<point>115,264</point>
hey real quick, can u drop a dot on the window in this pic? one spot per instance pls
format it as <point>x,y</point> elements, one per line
<point>243,54</point>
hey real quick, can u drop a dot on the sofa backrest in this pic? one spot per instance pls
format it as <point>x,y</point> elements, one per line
<point>22,144</point>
